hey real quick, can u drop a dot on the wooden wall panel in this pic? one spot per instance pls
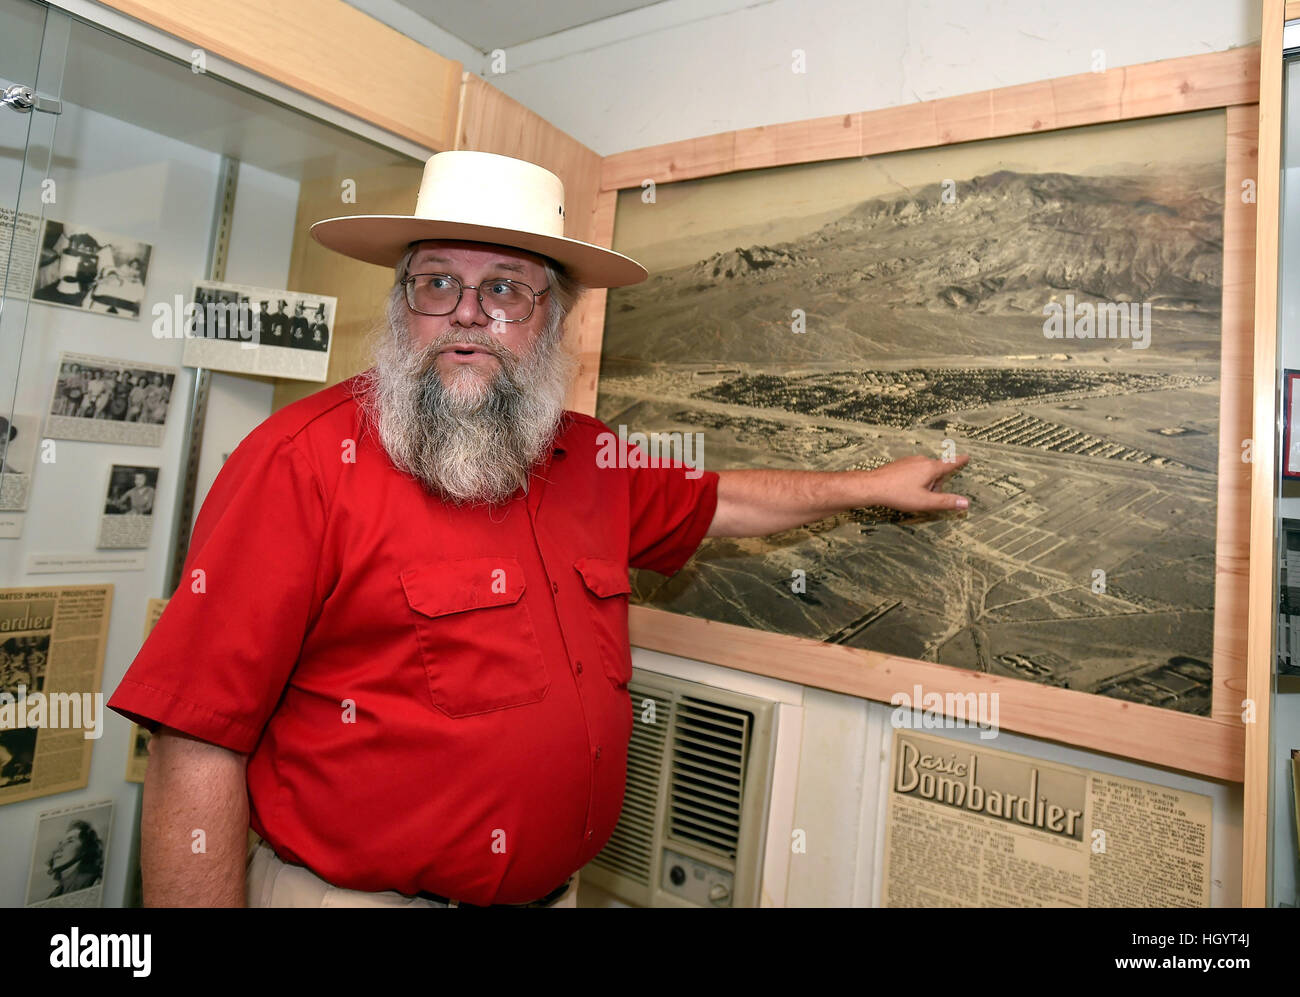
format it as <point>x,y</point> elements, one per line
<point>492,122</point>
<point>360,287</point>
<point>327,50</point>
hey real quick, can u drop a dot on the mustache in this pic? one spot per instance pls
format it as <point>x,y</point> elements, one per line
<point>428,353</point>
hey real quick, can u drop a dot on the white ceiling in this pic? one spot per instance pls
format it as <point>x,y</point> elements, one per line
<point>493,24</point>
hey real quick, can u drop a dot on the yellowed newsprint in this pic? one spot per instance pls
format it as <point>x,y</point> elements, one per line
<point>969,826</point>
<point>52,644</point>
<point>137,752</point>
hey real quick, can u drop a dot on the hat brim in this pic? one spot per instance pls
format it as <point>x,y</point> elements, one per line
<point>382,239</point>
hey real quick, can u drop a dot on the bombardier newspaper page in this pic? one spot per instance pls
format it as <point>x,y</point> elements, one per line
<point>969,826</point>
<point>52,644</point>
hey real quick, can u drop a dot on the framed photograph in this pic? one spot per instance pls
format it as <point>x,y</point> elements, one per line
<point>88,268</point>
<point>989,274</point>
<point>258,330</point>
<point>105,400</point>
<point>127,517</point>
<point>1290,425</point>
<point>67,867</point>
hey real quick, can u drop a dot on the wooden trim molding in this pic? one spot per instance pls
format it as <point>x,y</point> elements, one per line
<point>1198,82</point>
<point>326,49</point>
<point>1142,733</point>
<point>1261,626</point>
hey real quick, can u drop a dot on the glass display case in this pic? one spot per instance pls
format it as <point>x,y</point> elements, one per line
<point>133,167</point>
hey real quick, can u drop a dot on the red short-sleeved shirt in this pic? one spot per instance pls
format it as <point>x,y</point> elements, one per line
<point>432,698</point>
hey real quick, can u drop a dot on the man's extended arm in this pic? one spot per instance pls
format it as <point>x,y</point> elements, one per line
<point>190,786</point>
<point>756,503</point>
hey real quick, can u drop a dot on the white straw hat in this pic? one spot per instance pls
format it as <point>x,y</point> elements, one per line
<point>481,197</point>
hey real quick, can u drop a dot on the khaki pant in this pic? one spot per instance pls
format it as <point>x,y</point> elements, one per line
<point>274,883</point>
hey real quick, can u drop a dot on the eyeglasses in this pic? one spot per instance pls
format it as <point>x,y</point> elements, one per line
<point>501,299</point>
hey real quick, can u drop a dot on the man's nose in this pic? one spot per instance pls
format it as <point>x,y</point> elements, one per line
<point>468,311</point>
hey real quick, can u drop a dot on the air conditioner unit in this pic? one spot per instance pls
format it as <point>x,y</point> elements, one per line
<point>699,779</point>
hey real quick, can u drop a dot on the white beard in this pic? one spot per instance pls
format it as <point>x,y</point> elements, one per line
<point>474,439</point>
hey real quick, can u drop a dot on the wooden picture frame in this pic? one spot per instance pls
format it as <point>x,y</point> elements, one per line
<point>1211,745</point>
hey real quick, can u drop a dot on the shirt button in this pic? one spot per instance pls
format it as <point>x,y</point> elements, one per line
<point>598,753</point>
<point>578,665</point>
<point>555,586</point>
<point>588,835</point>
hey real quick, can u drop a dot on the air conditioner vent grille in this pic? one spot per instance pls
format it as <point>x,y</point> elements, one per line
<point>707,774</point>
<point>630,849</point>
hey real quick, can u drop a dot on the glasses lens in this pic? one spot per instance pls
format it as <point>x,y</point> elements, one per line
<point>432,293</point>
<point>507,299</point>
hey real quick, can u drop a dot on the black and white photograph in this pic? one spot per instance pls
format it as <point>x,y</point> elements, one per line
<point>67,868</point>
<point>823,315</point>
<point>87,268</point>
<point>104,400</point>
<point>22,664</point>
<point>18,435</point>
<point>127,518</point>
<point>259,330</point>
<point>17,755</point>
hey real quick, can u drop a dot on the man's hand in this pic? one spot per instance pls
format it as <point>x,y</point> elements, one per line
<point>757,503</point>
<point>915,484</point>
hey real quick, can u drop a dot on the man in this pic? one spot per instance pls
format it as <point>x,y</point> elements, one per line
<point>261,321</point>
<point>298,327</point>
<point>156,396</point>
<point>137,500</point>
<point>415,687</point>
<point>320,331</point>
<point>277,326</point>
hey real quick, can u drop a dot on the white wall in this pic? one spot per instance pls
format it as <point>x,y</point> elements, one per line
<point>685,68</point>
<point>132,182</point>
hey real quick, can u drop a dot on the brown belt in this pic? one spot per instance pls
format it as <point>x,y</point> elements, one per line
<point>545,901</point>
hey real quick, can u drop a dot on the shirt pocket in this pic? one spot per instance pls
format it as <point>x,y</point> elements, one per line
<point>477,642</point>
<point>607,590</point>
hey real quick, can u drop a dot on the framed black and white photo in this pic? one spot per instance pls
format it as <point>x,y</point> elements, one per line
<point>127,517</point>
<point>67,868</point>
<point>105,400</point>
<point>90,269</point>
<point>254,330</point>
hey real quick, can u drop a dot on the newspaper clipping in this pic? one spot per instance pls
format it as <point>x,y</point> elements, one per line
<point>256,330</point>
<point>67,868</point>
<point>17,274</point>
<point>17,455</point>
<point>52,644</point>
<point>127,520</point>
<point>88,268</point>
<point>137,759</point>
<point>969,826</point>
<point>102,400</point>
